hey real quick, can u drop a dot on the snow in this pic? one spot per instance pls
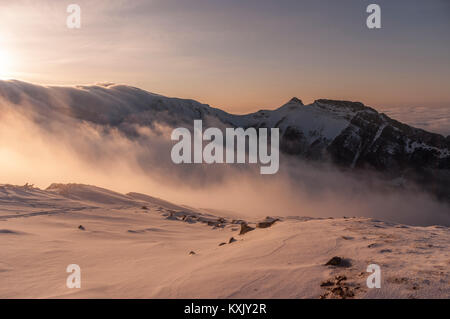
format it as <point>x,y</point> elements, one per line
<point>411,147</point>
<point>312,120</point>
<point>137,246</point>
<point>378,134</point>
<point>355,159</point>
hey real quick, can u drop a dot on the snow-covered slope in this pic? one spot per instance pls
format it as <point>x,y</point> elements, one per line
<point>137,246</point>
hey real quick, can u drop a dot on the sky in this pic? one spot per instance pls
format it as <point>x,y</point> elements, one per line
<point>239,55</point>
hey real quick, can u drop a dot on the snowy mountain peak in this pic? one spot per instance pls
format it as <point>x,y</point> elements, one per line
<point>295,100</point>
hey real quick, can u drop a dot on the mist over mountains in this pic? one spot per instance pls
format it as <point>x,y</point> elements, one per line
<point>338,157</point>
<point>433,119</point>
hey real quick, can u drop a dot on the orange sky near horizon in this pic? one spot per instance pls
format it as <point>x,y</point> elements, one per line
<point>238,57</point>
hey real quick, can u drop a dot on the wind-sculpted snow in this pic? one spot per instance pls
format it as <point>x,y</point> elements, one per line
<point>139,246</point>
<point>118,137</point>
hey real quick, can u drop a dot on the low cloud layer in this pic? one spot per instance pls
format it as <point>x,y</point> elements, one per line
<point>434,119</point>
<point>45,137</point>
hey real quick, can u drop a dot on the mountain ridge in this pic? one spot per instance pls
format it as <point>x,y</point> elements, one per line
<point>348,134</point>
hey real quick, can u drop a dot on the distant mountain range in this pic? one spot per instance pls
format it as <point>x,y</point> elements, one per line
<point>349,134</point>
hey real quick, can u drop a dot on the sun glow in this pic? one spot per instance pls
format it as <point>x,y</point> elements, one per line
<point>6,64</point>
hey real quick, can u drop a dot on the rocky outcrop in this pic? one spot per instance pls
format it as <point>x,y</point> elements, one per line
<point>369,140</point>
<point>245,229</point>
<point>269,221</point>
<point>338,262</point>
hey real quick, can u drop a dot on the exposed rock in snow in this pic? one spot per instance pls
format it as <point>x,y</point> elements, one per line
<point>269,221</point>
<point>338,262</point>
<point>245,229</point>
